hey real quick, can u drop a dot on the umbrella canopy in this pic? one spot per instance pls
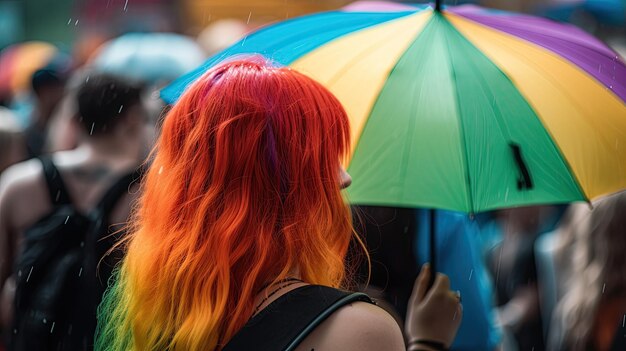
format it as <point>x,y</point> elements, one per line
<point>149,57</point>
<point>466,108</point>
<point>18,63</point>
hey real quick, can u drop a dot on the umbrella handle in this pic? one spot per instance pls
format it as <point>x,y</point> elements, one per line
<point>433,248</point>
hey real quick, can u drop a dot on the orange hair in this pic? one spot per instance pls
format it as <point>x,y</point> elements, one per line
<point>243,190</point>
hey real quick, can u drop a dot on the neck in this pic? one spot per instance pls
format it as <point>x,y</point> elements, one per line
<point>111,146</point>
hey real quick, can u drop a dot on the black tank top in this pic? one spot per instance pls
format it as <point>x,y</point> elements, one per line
<point>284,323</point>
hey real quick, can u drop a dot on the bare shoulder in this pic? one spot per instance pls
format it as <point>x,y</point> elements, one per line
<point>19,177</point>
<point>357,326</point>
<point>22,194</point>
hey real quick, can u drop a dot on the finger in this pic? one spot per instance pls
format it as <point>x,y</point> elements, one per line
<point>442,282</point>
<point>458,314</point>
<point>456,295</point>
<point>421,284</point>
<point>441,286</point>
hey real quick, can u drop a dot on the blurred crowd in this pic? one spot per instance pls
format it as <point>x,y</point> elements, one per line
<point>533,278</point>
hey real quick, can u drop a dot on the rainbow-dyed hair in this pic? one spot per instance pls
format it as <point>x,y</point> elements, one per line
<point>243,189</point>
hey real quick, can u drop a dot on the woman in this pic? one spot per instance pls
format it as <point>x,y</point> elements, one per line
<point>592,313</point>
<point>242,208</point>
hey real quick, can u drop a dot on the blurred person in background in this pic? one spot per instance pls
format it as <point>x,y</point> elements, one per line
<point>111,116</point>
<point>48,85</point>
<point>513,268</point>
<point>11,140</point>
<point>592,313</point>
<point>553,252</point>
<point>65,134</point>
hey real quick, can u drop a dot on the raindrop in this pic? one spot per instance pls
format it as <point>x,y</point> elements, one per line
<point>69,21</point>
<point>161,170</point>
<point>67,219</point>
<point>120,110</point>
<point>58,196</point>
<point>87,80</point>
<point>471,272</point>
<point>80,272</point>
<point>14,331</point>
<point>624,321</point>
<point>51,329</point>
<point>45,321</point>
<point>76,23</point>
<point>91,131</point>
<point>610,87</point>
<point>19,273</point>
<point>406,229</point>
<point>82,244</point>
<point>125,5</point>
<point>603,287</point>
<point>249,15</point>
<point>29,273</point>
<point>498,269</point>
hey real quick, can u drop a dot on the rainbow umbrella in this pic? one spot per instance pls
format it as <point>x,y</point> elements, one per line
<point>443,105</point>
<point>18,63</point>
<point>460,108</point>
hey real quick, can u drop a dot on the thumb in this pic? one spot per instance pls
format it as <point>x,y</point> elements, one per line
<point>421,284</point>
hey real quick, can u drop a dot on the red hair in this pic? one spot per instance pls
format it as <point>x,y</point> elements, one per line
<point>243,189</point>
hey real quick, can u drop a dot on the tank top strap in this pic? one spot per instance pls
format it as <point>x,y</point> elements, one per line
<point>288,320</point>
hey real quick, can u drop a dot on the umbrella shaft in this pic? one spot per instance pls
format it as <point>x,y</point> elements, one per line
<point>437,5</point>
<point>432,247</point>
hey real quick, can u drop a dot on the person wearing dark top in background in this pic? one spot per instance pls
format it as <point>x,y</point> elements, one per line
<point>110,114</point>
<point>48,86</point>
<point>513,268</point>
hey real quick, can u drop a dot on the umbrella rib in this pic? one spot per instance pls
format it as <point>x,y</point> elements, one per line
<point>554,83</point>
<point>468,181</point>
<point>366,51</point>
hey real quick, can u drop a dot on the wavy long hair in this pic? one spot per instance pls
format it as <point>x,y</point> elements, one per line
<point>597,269</point>
<point>242,190</point>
